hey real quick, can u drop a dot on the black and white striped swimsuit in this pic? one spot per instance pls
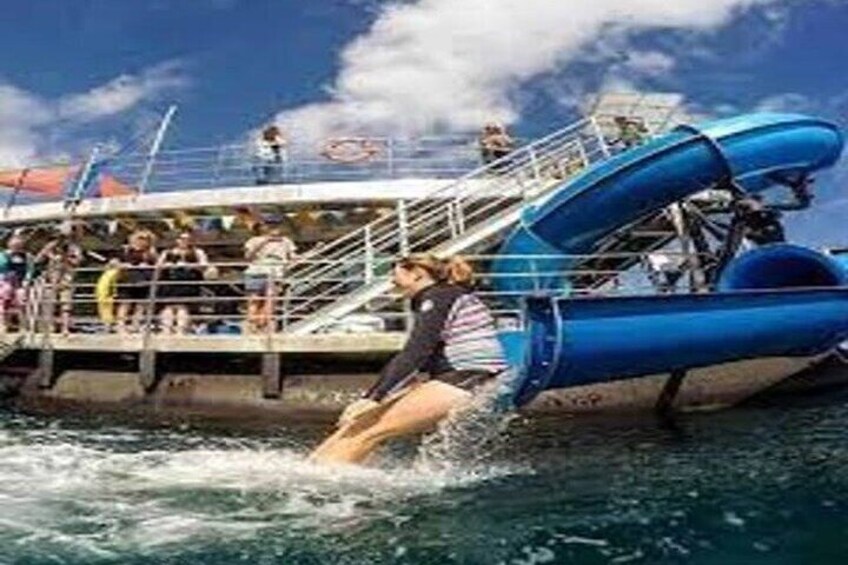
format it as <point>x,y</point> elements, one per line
<point>453,337</point>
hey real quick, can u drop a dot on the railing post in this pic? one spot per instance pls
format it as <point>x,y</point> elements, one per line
<point>599,134</point>
<point>403,227</point>
<point>458,214</point>
<point>584,156</point>
<point>216,168</point>
<point>534,164</point>
<point>154,149</point>
<point>390,156</point>
<point>271,308</point>
<point>79,187</point>
<point>369,255</point>
<point>452,218</point>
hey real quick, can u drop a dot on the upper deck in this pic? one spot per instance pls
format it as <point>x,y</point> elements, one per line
<point>215,179</point>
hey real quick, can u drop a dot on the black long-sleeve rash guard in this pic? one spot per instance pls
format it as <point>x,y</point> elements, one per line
<point>424,349</point>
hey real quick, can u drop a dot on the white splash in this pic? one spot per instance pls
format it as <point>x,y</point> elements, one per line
<point>93,502</point>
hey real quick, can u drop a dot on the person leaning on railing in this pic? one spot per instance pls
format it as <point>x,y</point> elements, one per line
<point>495,143</point>
<point>181,271</point>
<point>15,269</point>
<point>138,260</point>
<point>219,304</point>
<point>267,255</point>
<point>58,260</point>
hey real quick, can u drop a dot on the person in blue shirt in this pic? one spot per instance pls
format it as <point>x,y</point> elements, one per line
<point>15,270</point>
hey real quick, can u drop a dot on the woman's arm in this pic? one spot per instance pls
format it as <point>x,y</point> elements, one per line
<point>422,343</point>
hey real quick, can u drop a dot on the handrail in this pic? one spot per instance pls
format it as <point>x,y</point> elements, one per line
<point>433,219</point>
<point>288,305</point>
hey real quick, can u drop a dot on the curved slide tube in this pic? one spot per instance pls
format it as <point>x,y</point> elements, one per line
<point>584,341</point>
<point>755,150</point>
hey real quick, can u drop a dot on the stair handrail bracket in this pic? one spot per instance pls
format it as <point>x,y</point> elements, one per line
<point>452,219</point>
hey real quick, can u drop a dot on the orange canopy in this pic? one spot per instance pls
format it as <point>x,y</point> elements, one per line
<point>51,181</point>
<point>48,181</point>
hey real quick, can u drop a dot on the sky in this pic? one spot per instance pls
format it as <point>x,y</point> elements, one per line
<point>77,72</point>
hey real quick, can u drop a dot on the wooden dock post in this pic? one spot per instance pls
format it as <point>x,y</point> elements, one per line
<point>46,367</point>
<point>272,378</point>
<point>148,370</point>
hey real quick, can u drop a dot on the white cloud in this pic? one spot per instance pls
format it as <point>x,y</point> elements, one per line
<point>649,63</point>
<point>121,93</point>
<point>786,102</point>
<point>31,124</point>
<point>453,64</point>
<point>20,115</point>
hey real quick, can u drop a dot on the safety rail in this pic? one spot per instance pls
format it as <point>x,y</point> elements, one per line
<point>460,215</point>
<point>219,306</point>
<point>240,165</point>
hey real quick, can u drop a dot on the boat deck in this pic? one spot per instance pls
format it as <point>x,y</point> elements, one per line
<point>337,343</point>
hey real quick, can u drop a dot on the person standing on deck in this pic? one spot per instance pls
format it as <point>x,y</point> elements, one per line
<point>138,260</point>
<point>270,148</point>
<point>632,132</point>
<point>181,269</point>
<point>495,143</point>
<point>267,255</point>
<point>60,259</point>
<point>452,350</point>
<point>15,270</point>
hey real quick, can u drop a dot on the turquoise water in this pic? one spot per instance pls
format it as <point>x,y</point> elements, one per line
<point>767,485</point>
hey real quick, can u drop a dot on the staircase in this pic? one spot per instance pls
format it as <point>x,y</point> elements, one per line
<point>347,273</point>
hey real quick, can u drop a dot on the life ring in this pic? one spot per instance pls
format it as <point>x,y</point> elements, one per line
<point>104,292</point>
<point>351,150</point>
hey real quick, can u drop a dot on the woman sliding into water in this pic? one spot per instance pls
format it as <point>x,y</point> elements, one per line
<point>452,350</point>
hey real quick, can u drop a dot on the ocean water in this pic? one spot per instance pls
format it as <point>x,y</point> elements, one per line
<point>755,485</point>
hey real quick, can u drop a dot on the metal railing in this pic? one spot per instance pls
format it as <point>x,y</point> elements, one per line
<point>241,164</point>
<point>452,219</point>
<point>219,306</point>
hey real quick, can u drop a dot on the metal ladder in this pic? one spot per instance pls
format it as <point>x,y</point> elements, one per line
<point>345,274</point>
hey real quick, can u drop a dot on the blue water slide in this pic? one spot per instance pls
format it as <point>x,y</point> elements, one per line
<point>584,341</point>
<point>755,150</point>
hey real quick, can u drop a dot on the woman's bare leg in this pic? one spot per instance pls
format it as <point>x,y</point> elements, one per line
<point>121,317</point>
<point>183,319</point>
<point>416,411</point>
<point>166,318</point>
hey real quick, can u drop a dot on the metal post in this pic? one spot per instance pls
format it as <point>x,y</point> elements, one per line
<point>390,156</point>
<point>154,149</point>
<point>534,164</point>
<point>271,309</point>
<point>697,279</point>
<point>599,134</point>
<point>79,187</point>
<point>584,157</point>
<point>403,228</point>
<point>452,219</point>
<point>369,255</point>
<point>458,214</point>
<point>216,168</point>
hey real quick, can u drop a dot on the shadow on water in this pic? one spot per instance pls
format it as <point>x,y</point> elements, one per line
<point>763,484</point>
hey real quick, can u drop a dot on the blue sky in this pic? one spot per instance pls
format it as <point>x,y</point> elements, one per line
<point>72,71</point>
